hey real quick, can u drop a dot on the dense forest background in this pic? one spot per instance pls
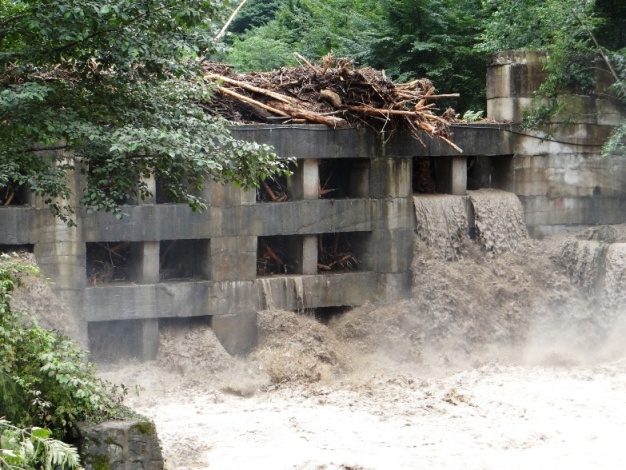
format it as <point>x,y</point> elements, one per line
<point>445,40</point>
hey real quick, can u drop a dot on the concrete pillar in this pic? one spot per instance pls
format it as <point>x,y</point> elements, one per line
<point>149,339</point>
<point>512,79</point>
<point>309,254</point>
<point>458,175</point>
<point>451,175</point>
<point>145,262</point>
<point>61,255</point>
<point>238,333</point>
<point>390,178</point>
<point>304,183</point>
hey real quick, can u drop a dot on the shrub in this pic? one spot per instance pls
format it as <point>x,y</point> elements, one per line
<point>44,378</point>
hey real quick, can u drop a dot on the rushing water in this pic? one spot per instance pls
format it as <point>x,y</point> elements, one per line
<point>509,354</point>
<point>495,218</point>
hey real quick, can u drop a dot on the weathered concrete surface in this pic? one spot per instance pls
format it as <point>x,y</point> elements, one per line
<point>120,445</point>
<point>327,290</point>
<point>238,333</point>
<point>558,172</point>
<point>473,139</point>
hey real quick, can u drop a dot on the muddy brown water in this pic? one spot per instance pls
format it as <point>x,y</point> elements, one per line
<point>508,353</point>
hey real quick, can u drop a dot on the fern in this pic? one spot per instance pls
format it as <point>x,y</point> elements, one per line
<point>34,449</point>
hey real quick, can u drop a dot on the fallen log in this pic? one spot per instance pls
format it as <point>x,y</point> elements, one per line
<point>312,116</point>
<point>245,99</point>
<point>255,89</point>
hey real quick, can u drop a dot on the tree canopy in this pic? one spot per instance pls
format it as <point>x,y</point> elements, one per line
<point>445,40</point>
<point>113,87</point>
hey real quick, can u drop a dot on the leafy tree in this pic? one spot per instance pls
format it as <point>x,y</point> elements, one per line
<point>571,32</point>
<point>113,87</point>
<point>254,13</point>
<point>310,28</point>
<point>407,38</point>
<point>611,32</point>
<point>44,379</point>
<point>434,39</point>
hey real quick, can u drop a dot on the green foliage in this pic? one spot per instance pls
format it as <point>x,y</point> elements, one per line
<point>34,449</point>
<point>310,28</point>
<point>254,13</point>
<point>434,39</point>
<point>611,31</point>
<point>406,38</point>
<point>534,24</point>
<point>114,88</point>
<point>560,28</point>
<point>472,116</point>
<point>44,378</point>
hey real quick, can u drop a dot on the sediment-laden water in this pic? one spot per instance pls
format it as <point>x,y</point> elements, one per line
<point>509,354</point>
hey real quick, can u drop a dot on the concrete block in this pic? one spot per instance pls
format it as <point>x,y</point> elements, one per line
<point>544,211</point>
<point>17,225</point>
<point>515,73</point>
<point>123,445</point>
<point>319,216</point>
<point>312,141</point>
<point>238,333</point>
<point>232,258</point>
<point>323,290</point>
<point>391,177</point>
<point>390,250</point>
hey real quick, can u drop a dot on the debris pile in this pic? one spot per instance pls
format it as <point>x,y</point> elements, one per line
<point>332,93</point>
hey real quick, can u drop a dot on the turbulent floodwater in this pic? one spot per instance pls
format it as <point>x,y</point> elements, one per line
<point>509,354</point>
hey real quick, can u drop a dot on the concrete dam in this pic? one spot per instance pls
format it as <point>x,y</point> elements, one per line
<point>338,233</point>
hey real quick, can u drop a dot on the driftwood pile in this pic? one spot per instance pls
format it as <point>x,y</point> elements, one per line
<point>332,93</point>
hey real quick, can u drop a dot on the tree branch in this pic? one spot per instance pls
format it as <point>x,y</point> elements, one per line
<point>230,20</point>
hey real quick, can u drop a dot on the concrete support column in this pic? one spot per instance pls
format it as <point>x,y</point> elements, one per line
<point>145,262</point>
<point>451,175</point>
<point>61,255</point>
<point>149,338</point>
<point>512,79</point>
<point>458,175</point>
<point>388,249</point>
<point>305,181</point>
<point>309,254</point>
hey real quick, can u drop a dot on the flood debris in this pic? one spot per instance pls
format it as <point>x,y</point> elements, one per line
<point>333,92</point>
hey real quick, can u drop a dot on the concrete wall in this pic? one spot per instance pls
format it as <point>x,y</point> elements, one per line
<point>183,264</point>
<point>559,174</point>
